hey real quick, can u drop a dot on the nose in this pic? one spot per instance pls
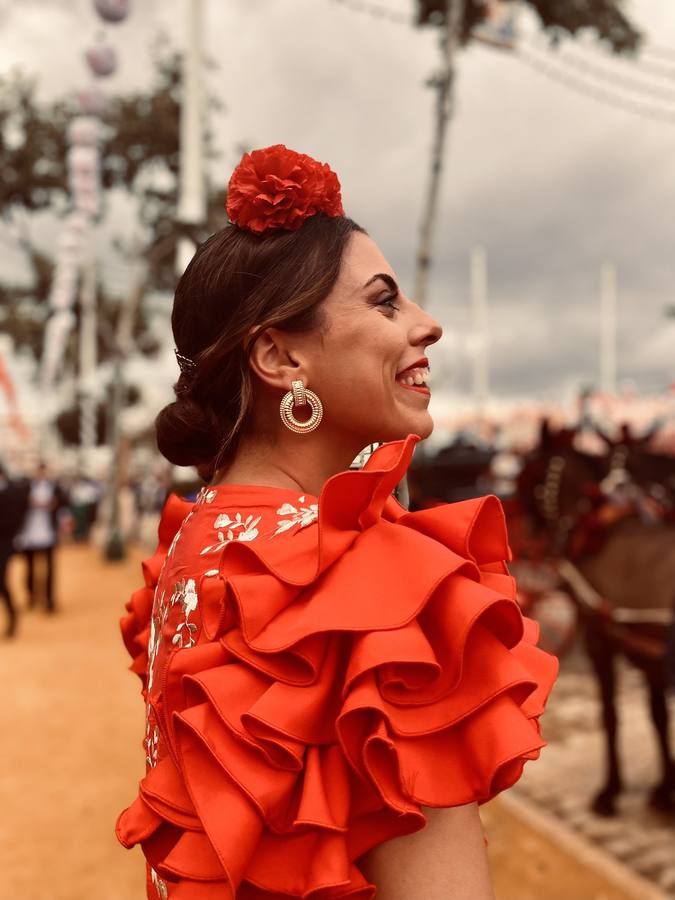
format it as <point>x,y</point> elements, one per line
<point>426,330</point>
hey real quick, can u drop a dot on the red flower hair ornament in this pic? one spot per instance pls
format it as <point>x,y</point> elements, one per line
<point>277,188</point>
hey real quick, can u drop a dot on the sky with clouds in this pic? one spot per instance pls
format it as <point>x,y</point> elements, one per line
<point>552,183</point>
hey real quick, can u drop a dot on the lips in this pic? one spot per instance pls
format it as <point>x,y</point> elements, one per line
<point>415,376</point>
<point>420,388</point>
<point>422,363</point>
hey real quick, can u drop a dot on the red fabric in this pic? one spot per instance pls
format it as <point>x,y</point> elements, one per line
<point>344,672</point>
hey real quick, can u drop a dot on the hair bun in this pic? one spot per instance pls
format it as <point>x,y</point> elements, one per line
<point>188,434</point>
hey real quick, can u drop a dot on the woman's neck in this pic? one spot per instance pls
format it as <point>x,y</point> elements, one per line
<point>297,461</point>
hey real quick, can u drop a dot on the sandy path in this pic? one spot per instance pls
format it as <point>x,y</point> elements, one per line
<point>71,756</point>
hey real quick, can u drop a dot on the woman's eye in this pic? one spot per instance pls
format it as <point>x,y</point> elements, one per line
<point>389,301</point>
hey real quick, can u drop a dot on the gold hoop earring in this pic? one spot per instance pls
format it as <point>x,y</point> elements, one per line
<point>299,395</point>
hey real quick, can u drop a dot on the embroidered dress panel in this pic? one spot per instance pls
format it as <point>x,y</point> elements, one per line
<point>183,633</point>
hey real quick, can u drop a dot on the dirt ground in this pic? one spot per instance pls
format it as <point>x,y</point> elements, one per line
<point>72,755</point>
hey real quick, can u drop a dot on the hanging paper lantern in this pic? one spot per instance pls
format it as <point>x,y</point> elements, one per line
<point>92,101</point>
<point>76,223</point>
<point>61,299</point>
<point>102,59</point>
<point>65,277</point>
<point>70,238</point>
<point>70,255</point>
<point>89,201</point>
<point>68,241</point>
<point>59,326</point>
<point>84,131</point>
<point>82,163</point>
<point>84,178</point>
<point>112,10</point>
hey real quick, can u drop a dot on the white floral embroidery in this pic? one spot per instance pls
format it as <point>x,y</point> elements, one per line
<point>301,516</point>
<point>176,538</point>
<point>160,611</point>
<point>172,545</point>
<point>206,496</point>
<point>160,886</point>
<point>185,593</point>
<point>151,741</point>
<point>248,532</point>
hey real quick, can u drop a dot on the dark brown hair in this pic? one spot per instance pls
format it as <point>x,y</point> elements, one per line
<point>236,285</point>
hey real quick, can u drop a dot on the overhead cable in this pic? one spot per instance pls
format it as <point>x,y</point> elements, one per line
<point>603,72</point>
<point>588,89</point>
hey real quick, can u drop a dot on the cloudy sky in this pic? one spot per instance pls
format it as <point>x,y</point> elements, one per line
<point>551,182</point>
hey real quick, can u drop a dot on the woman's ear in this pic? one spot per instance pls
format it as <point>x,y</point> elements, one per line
<point>274,359</point>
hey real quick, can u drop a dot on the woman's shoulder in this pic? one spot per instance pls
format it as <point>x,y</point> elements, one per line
<point>297,537</point>
<point>350,502</point>
<point>244,514</point>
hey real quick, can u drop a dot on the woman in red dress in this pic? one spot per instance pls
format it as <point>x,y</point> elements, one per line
<point>333,684</point>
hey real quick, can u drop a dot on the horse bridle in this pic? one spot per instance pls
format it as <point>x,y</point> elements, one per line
<point>548,502</point>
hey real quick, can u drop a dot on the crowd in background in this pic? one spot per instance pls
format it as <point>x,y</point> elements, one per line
<point>40,510</point>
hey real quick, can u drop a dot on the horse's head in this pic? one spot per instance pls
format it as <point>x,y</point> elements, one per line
<point>557,483</point>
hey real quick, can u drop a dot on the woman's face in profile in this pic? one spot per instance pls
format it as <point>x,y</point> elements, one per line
<point>368,363</point>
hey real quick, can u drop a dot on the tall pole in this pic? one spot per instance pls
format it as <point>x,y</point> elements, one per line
<point>444,83</point>
<point>87,358</point>
<point>114,546</point>
<point>479,315</point>
<point>191,182</point>
<point>608,304</point>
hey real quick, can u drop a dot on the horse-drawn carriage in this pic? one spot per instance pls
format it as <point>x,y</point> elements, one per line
<point>593,540</point>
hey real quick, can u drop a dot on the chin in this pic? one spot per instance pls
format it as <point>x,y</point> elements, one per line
<point>421,425</point>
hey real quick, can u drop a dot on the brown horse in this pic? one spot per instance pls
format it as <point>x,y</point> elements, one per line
<point>619,568</point>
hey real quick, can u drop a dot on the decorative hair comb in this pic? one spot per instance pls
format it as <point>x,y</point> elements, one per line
<point>277,188</point>
<point>186,365</point>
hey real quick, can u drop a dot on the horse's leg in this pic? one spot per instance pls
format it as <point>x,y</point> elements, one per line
<point>601,653</point>
<point>662,795</point>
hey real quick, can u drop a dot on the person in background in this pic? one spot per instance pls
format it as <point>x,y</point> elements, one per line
<point>84,496</point>
<point>13,506</point>
<point>38,537</point>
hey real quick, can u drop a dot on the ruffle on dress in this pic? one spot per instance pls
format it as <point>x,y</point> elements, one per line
<point>333,694</point>
<point>135,626</point>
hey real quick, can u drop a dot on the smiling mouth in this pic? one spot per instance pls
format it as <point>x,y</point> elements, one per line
<point>415,379</point>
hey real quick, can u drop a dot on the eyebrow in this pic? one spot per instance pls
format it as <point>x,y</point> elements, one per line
<point>388,280</point>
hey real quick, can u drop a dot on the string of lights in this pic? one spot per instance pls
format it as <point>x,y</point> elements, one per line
<point>589,89</point>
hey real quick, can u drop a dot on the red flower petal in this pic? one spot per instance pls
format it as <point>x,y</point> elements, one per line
<point>278,188</point>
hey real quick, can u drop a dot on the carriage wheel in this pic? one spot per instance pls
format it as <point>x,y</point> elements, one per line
<point>556,614</point>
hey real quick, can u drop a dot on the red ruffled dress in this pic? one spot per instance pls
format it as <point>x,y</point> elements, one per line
<point>314,672</point>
